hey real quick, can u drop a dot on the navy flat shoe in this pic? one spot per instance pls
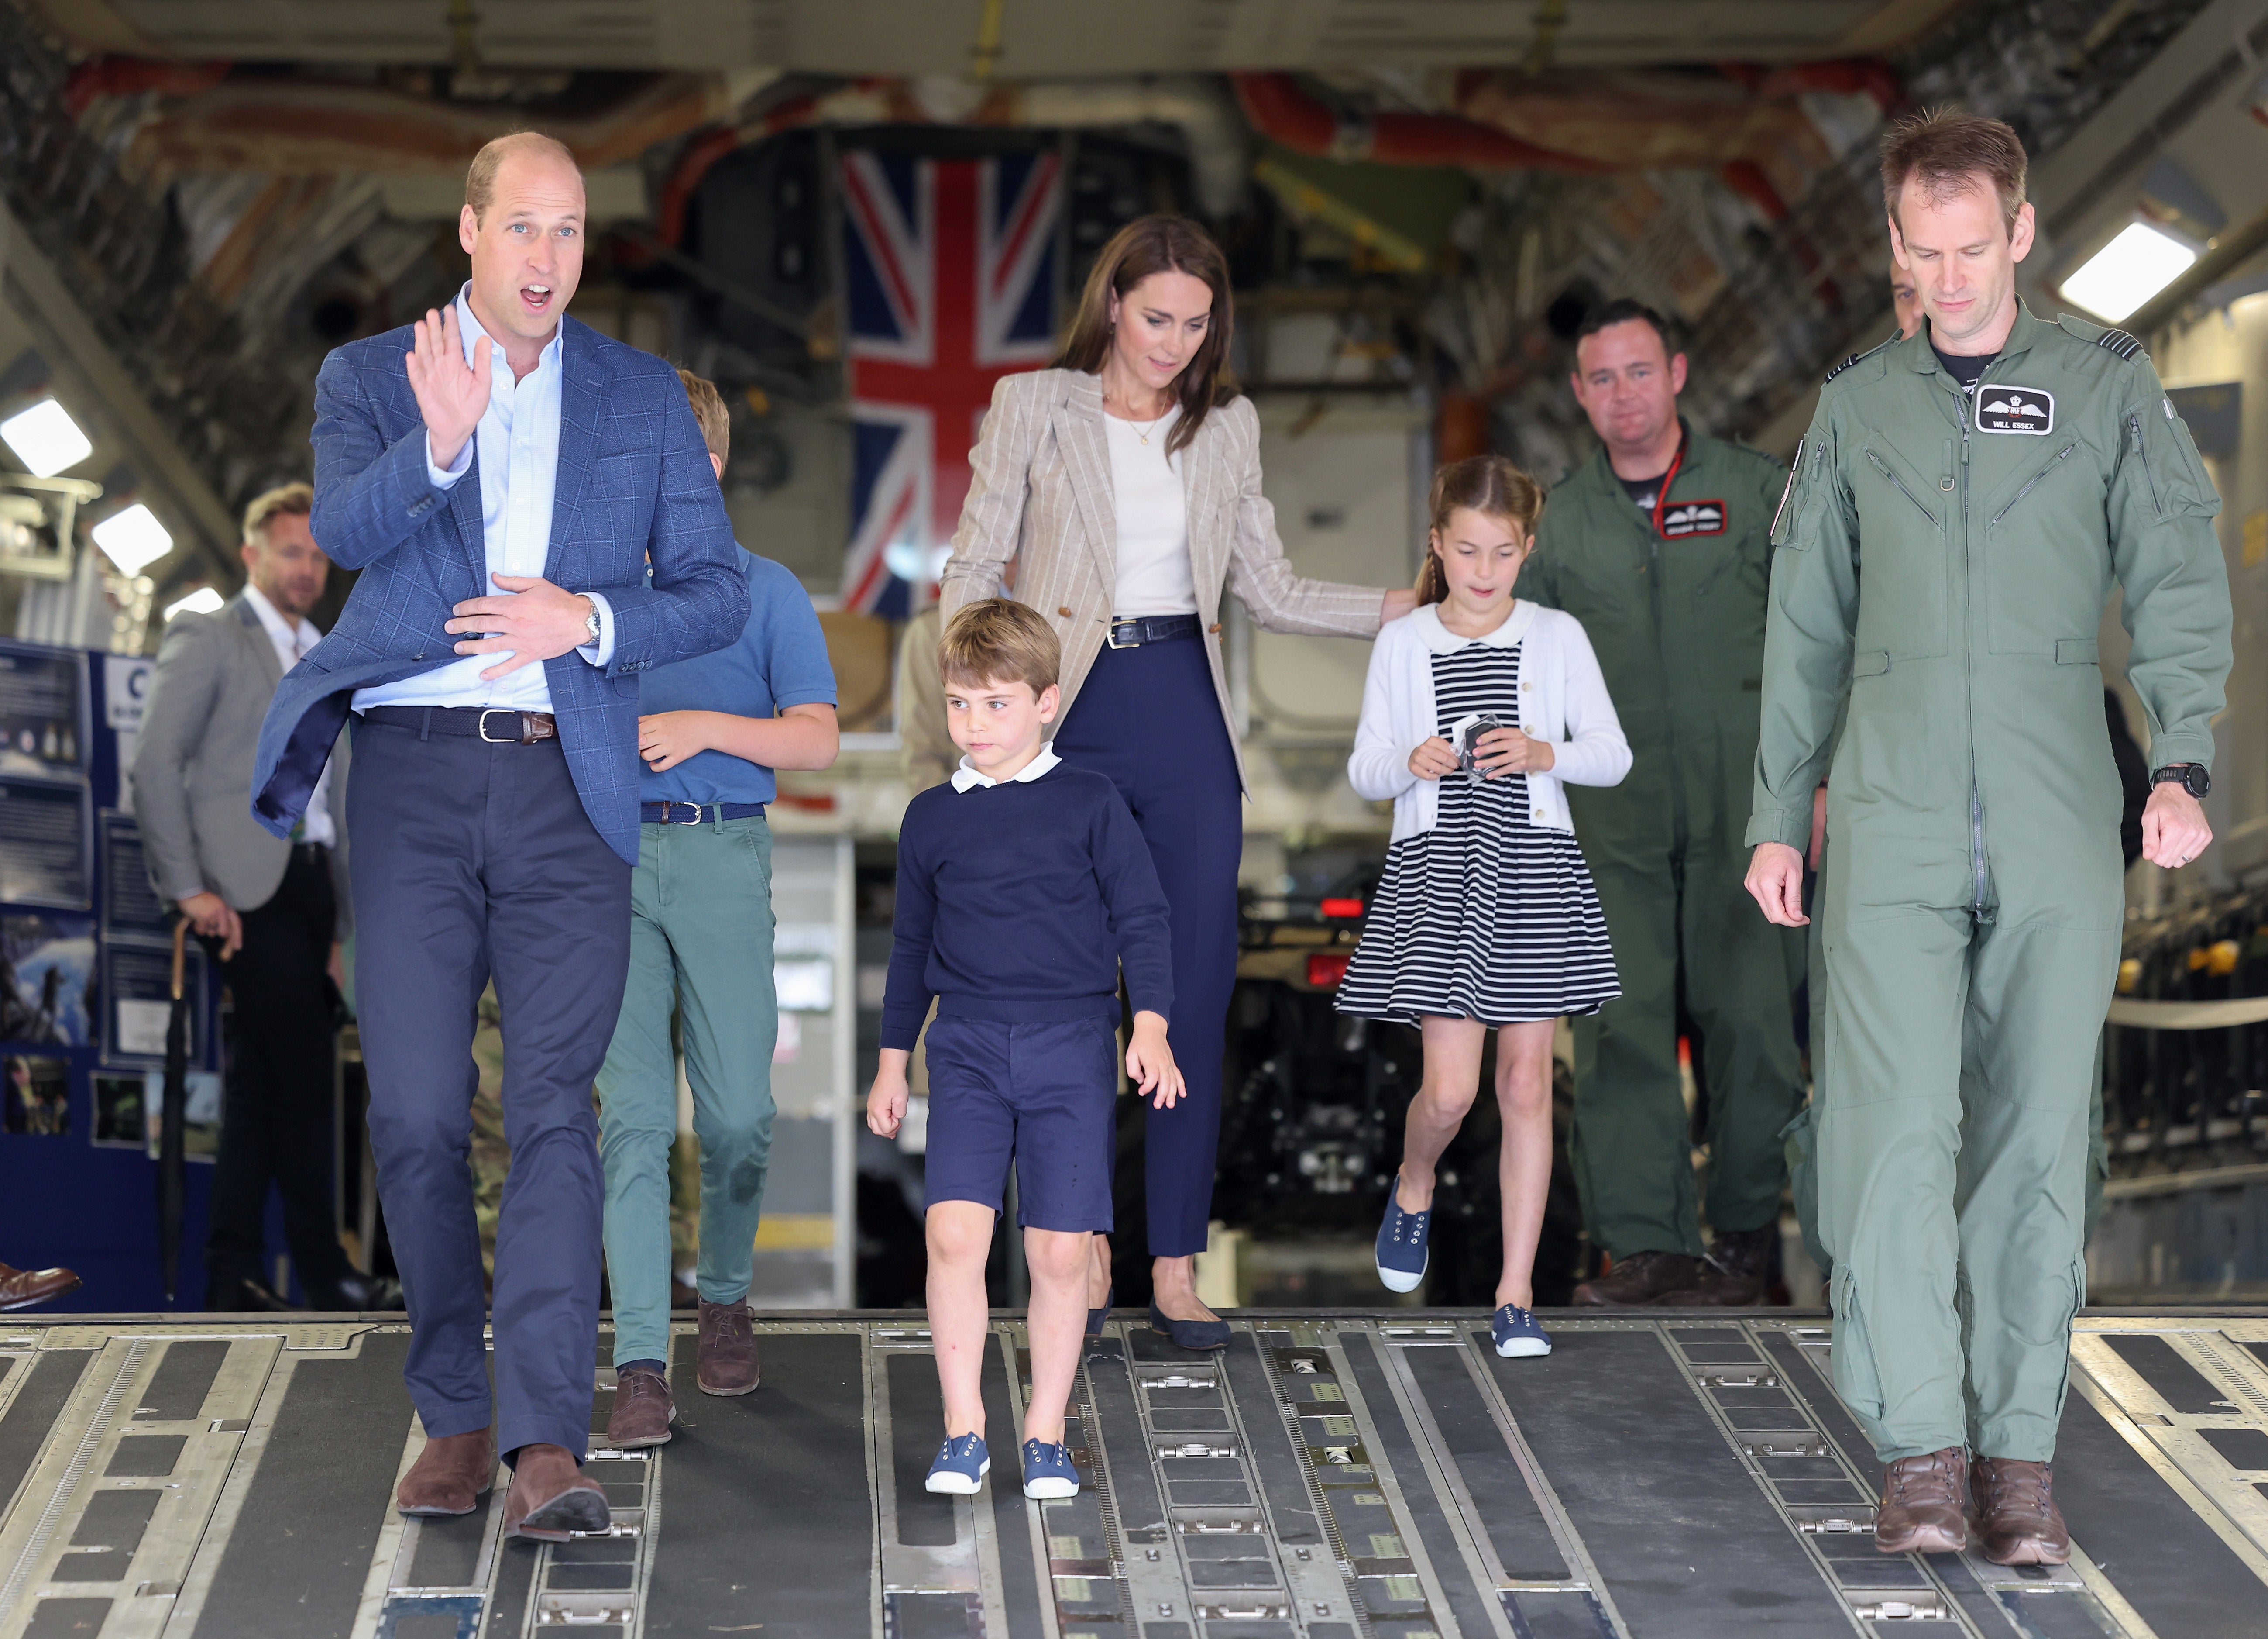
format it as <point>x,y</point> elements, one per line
<point>1097,1318</point>
<point>1200,1335</point>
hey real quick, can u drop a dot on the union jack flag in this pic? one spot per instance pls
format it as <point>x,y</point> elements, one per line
<point>950,268</point>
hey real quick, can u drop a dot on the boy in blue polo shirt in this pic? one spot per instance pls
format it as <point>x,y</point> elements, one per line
<point>1024,886</point>
<point>710,731</point>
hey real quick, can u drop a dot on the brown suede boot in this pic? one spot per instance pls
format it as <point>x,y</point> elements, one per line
<point>1921,1508</point>
<point>643,1410</point>
<point>726,1361</point>
<point>1734,1274</point>
<point>1640,1279</point>
<point>2017,1520</point>
<point>550,1499</point>
<point>450,1476</point>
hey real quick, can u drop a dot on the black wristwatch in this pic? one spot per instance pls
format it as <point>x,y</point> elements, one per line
<point>2190,776</point>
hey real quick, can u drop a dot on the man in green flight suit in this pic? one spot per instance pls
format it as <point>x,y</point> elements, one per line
<point>1658,545</point>
<point>1996,475</point>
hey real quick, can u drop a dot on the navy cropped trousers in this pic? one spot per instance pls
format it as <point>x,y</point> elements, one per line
<point>1148,718</point>
<point>474,861</point>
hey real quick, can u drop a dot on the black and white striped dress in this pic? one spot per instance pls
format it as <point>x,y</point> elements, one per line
<point>1486,916</point>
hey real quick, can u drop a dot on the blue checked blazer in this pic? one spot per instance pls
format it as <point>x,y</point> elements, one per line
<point>634,479</point>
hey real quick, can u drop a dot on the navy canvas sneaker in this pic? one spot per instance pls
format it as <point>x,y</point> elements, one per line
<point>1047,1472</point>
<point>1516,1332</point>
<point>961,1466</point>
<point>1401,1245</point>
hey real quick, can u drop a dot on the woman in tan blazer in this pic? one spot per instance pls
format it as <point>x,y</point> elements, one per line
<point>1124,482</point>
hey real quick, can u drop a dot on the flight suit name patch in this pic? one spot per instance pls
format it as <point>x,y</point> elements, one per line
<point>2004,409</point>
<point>1684,518</point>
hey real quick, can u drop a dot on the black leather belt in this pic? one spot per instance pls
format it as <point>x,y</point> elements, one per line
<point>697,813</point>
<point>493,724</point>
<point>1132,633</point>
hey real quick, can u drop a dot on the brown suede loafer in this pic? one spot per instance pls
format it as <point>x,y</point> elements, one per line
<point>2017,1520</point>
<point>643,1410</point>
<point>450,1476</point>
<point>1640,1279</point>
<point>726,1361</point>
<point>550,1500</point>
<point>1921,1510</point>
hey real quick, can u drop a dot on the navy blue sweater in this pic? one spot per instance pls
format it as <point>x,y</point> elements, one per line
<point>1019,901</point>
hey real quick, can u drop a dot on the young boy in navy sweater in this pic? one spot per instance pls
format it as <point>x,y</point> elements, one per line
<point>1024,888</point>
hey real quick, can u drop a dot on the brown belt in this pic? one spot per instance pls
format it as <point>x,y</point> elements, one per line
<point>496,724</point>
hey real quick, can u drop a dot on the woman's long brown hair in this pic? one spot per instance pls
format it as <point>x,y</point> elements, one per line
<point>1148,245</point>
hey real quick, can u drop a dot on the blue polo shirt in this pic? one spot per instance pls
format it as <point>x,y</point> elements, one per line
<point>778,660</point>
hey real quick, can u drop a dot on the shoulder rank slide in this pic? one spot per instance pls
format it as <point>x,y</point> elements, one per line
<point>2120,343</point>
<point>1840,368</point>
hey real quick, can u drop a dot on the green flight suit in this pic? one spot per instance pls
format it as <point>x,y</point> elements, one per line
<point>1948,561</point>
<point>1674,607</point>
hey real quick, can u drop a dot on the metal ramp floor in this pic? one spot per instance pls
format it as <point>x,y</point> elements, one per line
<point>1343,1475</point>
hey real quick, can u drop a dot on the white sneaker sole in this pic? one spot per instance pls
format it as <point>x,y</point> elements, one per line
<point>1400,1279</point>
<point>1519,1347</point>
<point>1050,1490</point>
<point>957,1484</point>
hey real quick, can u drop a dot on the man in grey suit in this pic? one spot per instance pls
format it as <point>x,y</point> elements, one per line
<point>271,911</point>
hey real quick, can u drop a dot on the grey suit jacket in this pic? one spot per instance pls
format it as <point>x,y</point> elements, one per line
<point>193,771</point>
<point>1040,493</point>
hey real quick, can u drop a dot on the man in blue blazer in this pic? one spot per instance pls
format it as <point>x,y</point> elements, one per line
<point>501,475</point>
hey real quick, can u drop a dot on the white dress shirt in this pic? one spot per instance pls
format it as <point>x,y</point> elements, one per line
<point>966,777</point>
<point>291,641</point>
<point>518,439</point>
<point>1155,575</point>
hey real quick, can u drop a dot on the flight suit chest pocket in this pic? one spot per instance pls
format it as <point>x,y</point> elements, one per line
<point>2047,563</point>
<point>1901,543</point>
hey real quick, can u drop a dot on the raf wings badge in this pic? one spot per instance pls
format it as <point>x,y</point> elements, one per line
<point>2002,409</point>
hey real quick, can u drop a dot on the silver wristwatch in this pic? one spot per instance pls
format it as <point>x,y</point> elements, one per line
<point>591,625</point>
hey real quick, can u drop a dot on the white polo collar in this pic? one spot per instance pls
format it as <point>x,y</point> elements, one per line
<point>966,777</point>
<point>1440,640</point>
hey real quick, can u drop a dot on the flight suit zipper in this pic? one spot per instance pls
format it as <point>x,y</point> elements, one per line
<point>1899,483</point>
<point>2142,451</point>
<point>2030,485</point>
<point>1968,668</point>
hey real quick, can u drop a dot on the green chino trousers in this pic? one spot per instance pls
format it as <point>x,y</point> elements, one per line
<point>701,947</point>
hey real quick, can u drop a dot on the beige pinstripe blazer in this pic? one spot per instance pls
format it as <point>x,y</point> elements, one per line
<point>1040,494</point>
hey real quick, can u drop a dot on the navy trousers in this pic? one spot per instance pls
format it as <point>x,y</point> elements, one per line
<point>1148,718</point>
<point>473,861</point>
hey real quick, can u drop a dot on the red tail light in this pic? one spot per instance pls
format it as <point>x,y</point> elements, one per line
<point>1326,970</point>
<point>1341,907</point>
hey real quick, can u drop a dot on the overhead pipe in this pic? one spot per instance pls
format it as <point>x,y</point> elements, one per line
<point>1280,109</point>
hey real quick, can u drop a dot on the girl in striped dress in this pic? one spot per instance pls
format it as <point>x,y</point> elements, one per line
<point>1477,708</point>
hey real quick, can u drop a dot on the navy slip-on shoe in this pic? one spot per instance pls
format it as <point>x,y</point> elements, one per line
<point>1047,1472</point>
<point>1097,1318</point>
<point>960,1467</point>
<point>1516,1332</point>
<point>1402,1245</point>
<point>1201,1334</point>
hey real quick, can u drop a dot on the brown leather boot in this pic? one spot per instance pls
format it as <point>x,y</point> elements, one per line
<point>1734,1275</point>
<point>2017,1520</point>
<point>643,1410</point>
<point>725,1363</point>
<point>21,1288</point>
<point>1639,1278</point>
<point>1921,1508</point>
<point>550,1499</point>
<point>450,1475</point>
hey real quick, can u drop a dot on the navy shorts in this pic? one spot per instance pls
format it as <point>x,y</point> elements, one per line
<point>1041,1093</point>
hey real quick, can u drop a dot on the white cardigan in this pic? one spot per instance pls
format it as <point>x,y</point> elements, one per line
<point>1563,699</point>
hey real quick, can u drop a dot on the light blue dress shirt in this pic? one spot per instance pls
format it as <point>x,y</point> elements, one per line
<point>518,439</point>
